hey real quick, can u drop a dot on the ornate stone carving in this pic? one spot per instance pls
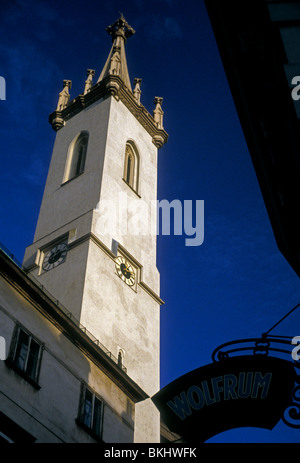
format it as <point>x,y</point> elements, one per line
<point>89,81</point>
<point>115,62</point>
<point>114,80</point>
<point>158,112</point>
<point>121,28</point>
<point>113,85</point>
<point>137,90</point>
<point>64,95</point>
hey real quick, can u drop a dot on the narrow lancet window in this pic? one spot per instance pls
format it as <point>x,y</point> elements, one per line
<point>131,167</point>
<point>76,157</point>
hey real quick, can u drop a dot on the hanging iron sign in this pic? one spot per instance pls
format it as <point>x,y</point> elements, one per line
<point>248,390</point>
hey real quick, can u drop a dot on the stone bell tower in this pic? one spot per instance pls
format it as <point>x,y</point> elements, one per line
<point>94,247</point>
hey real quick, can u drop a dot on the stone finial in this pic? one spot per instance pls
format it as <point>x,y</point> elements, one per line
<point>137,90</point>
<point>158,112</point>
<point>120,28</point>
<point>115,62</point>
<point>89,81</point>
<point>64,95</point>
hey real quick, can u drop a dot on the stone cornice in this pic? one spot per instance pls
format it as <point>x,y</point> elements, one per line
<point>151,293</point>
<point>111,86</point>
<point>111,255</point>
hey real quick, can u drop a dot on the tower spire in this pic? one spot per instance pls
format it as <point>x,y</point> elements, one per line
<point>116,63</point>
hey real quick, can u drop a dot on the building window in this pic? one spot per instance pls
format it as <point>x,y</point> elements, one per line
<point>76,157</point>
<point>131,166</point>
<point>90,415</point>
<point>25,355</point>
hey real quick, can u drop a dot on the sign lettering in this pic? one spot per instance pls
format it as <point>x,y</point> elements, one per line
<point>227,387</point>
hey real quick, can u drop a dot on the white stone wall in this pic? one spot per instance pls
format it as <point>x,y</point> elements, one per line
<point>123,126</point>
<point>62,203</point>
<point>122,317</point>
<point>49,413</point>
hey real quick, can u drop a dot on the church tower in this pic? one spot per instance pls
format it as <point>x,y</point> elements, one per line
<point>94,247</point>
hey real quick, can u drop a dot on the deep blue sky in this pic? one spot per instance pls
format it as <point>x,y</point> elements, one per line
<point>236,284</point>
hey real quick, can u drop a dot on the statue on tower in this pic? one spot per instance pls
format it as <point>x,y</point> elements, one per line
<point>64,95</point>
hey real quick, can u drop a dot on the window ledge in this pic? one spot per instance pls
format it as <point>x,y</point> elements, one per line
<point>131,188</point>
<point>73,178</point>
<point>89,431</point>
<point>21,373</point>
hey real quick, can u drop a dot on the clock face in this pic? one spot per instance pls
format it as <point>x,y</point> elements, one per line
<point>125,270</point>
<point>55,256</point>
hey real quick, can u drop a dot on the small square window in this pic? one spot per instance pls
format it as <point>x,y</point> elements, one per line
<point>25,355</point>
<point>90,415</point>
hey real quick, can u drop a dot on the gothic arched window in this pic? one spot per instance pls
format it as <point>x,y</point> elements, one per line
<point>131,166</point>
<point>76,156</point>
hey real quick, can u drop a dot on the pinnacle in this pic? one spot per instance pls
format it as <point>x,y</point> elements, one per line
<point>116,63</point>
